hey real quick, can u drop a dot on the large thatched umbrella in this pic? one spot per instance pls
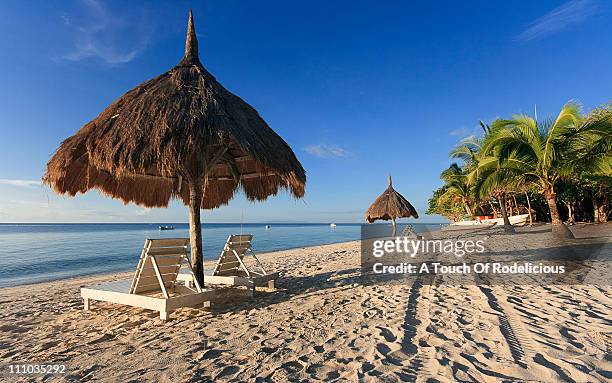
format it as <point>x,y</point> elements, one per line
<point>390,205</point>
<point>181,135</point>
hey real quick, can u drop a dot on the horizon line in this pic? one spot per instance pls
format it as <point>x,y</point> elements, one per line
<point>207,223</point>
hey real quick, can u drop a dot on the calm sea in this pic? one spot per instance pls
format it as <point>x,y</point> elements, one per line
<point>32,253</point>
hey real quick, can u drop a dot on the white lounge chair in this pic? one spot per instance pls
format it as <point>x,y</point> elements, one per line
<point>231,268</point>
<point>154,284</point>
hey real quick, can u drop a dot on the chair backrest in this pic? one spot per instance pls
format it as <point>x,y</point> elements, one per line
<point>230,260</point>
<point>159,265</point>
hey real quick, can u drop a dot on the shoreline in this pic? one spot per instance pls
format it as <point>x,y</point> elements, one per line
<point>204,224</point>
<point>455,232</point>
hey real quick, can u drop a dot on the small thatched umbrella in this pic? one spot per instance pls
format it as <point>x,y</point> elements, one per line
<point>390,205</point>
<point>183,136</point>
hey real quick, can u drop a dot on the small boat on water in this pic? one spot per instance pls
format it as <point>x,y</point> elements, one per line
<point>332,225</point>
<point>166,227</point>
<point>268,227</point>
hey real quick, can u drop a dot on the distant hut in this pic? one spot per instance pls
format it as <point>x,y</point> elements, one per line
<point>182,136</point>
<point>390,205</point>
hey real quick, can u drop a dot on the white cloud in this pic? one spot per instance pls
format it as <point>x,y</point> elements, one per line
<point>19,183</point>
<point>572,12</point>
<point>112,38</point>
<point>465,132</point>
<point>326,151</point>
<point>89,48</point>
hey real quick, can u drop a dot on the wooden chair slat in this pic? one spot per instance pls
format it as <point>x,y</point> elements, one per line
<point>241,238</point>
<point>168,242</point>
<point>168,251</point>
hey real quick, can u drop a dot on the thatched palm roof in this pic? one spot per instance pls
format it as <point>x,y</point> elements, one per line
<point>182,126</point>
<point>389,206</point>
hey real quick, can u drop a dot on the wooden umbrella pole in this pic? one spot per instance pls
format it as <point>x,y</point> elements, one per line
<point>195,228</point>
<point>196,191</point>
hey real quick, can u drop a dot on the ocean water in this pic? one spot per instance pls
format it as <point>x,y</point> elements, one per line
<point>31,253</point>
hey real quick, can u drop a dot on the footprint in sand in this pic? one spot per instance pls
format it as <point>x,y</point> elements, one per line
<point>211,354</point>
<point>570,338</point>
<point>268,350</point>
<point>373,313</point>
<point>321,372</point>
<point>293,366</point>
<point>227,371</point>
<point>14,329</point>
<point>100,339</point>
<point>387,334</point>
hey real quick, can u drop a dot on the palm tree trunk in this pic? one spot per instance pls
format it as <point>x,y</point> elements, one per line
<point>570,213</point>
<point>551,199</point>
<point>529,209</point>
<point>558,228</point>
<point>596,218</point>
<point>195,229</point>
<point>467,207</point>
<point>509,202</point>
<point>493,208</point>
<point>603,210</point>
<point>502,203</point>
<point>602,213</point>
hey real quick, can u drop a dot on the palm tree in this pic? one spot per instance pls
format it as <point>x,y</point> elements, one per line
<point>481,169</point>
<point>592,151</point>
<point>543,153</point>
<point>522,153</point>
<point>490,178</point>
<point>470,149</point>
<point>457,187</point>
<point>591,144</point>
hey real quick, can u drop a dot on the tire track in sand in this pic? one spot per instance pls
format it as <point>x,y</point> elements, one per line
<point>511,326</point>
<point>416,355</point>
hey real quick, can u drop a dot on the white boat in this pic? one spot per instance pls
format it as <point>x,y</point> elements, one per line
<point>515,220</point>
<point>332,225</point>
<point>268,227</point>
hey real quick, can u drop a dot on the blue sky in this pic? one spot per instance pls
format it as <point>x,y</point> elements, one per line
<point>359,89</point>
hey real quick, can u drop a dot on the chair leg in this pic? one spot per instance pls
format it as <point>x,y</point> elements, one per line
<point>86,304</point>
<point>271,284</point>
<point>163,315</point>
<point>251,292</point>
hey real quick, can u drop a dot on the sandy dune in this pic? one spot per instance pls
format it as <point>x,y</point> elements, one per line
<point>324,324</point>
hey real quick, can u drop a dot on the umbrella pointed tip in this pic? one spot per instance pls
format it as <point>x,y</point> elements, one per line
<point>190,27</point>
<point>191,43</point>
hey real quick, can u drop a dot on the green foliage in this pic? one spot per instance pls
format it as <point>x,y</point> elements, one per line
<point>441,204</point>
<point>568,157</point>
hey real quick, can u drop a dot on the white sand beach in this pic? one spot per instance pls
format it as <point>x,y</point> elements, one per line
<point>323,324</point>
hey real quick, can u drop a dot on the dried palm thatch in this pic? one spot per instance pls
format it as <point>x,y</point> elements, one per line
<point>390,205</point>
<point>183,136</point>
